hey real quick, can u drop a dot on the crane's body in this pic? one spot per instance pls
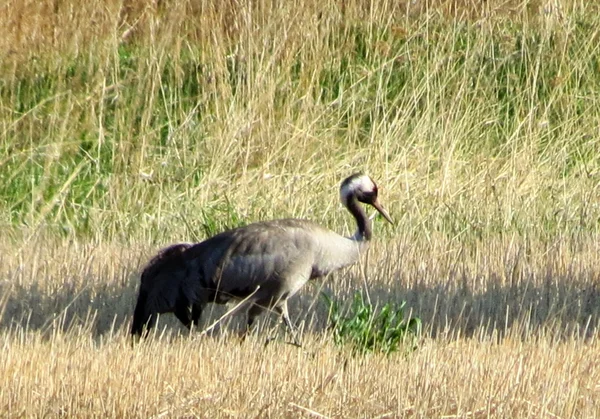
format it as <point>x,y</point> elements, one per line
<point>265,262</point>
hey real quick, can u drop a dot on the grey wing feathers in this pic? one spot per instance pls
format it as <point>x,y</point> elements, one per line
<point>237,261</point>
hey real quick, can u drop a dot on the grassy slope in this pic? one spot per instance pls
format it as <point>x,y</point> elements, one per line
<point>152,124</point>
<point>472,127</point>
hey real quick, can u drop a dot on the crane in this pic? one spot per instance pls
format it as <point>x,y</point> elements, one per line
<point>262,264</point>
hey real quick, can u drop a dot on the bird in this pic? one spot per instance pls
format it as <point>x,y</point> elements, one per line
<point>262,264</point>
<point>165,288</point>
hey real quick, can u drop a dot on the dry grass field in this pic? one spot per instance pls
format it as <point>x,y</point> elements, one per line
<point>129,125</point>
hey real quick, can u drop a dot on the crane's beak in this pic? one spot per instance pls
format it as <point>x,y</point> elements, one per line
<point>382,211</point>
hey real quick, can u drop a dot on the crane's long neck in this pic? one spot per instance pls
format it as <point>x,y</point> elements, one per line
<point>363,233</point>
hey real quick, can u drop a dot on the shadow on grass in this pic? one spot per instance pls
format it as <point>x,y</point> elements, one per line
<point>464,306</point>
<point>564,306</point>
<point>100,307</point>
<point>97,307</point>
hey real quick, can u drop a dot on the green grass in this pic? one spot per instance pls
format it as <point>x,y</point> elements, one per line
<point>475,127</point>
<point>368,328</point>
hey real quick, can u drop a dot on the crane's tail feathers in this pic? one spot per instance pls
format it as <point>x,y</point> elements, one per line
<point>142,318</point>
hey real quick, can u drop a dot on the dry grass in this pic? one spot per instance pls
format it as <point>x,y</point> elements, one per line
<point>73,375</point>
<point>510,332</point>
<point>128,125</point>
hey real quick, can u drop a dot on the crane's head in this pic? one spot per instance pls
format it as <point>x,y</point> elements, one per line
<point>362,188</point>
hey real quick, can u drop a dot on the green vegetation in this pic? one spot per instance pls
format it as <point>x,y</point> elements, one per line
<point>476,128</point>
<point>368,329</point>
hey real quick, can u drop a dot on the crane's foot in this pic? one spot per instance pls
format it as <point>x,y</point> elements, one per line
<point>269,340</point>
<point>294,332</point>
<point>295,343</point>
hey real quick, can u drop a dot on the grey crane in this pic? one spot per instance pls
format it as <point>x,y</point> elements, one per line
<point>263,264</point>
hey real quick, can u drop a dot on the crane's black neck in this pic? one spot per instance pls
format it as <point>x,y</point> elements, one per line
<point>362,222</point>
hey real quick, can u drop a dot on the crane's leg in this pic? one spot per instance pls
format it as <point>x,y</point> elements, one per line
<point>254,311</point>
<point>216,325</point>
<point>282,309</point>
<point>142,328</point>
<point>196,313</point>
<point>188,315</point>
<point>182,312</point>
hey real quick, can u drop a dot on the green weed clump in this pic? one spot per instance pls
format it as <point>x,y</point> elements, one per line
<point>367,328</point>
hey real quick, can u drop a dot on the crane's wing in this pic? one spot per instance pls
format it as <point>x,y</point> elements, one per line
<point>272,254</point>
<point>279,255</point>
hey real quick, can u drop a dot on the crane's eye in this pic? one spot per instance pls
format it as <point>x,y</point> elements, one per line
<point>367,197</point>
